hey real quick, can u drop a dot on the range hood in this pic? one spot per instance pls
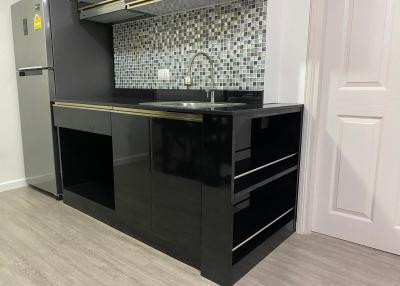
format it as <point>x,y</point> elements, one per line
<point>115,11</point>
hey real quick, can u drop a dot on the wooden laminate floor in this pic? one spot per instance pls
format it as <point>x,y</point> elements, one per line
<point>44,242</point>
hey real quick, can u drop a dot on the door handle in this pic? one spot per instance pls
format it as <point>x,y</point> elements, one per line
<point>33,68</point>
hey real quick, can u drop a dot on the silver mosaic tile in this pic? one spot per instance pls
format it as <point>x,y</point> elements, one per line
<point>233,34</point>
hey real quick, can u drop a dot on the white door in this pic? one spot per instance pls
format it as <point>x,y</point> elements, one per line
<point>357,190</point>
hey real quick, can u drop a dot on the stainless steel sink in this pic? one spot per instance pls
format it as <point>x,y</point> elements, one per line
<point>192,104</point>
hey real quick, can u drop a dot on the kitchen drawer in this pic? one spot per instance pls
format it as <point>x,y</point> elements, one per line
<point>86,120</point>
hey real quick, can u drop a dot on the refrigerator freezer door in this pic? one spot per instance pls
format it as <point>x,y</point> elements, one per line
<point>38,146</point>
<point>32,36</point>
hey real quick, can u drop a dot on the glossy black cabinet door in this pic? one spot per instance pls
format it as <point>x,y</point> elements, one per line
<point>131,150</point>
<point>176,194</point>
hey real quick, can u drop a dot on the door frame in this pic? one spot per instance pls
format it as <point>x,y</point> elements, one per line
<point>312,96</point>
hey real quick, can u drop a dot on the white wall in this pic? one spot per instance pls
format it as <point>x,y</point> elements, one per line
<point>287,44</point>
<point>11,158</point>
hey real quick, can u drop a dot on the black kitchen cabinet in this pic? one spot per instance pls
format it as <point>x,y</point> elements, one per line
<point>86,160</point>
<point>132,177</point>
<point>251,168</point>
<point>176,180</point>
<point>157,182</point>
<point>215,191</point>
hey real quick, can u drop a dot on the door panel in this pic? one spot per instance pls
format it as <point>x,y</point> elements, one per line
<point>131,149</point>
<point>358,160</point>
<point>369,65</point>
<point>357,157</point>
<point>36,126</point>
<point>32,46</point>
<point>176,194</point>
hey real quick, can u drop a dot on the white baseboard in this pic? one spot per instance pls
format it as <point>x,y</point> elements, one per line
<point>11,185</point>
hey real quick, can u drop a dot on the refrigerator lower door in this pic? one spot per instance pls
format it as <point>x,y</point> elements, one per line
<point>35,89</point>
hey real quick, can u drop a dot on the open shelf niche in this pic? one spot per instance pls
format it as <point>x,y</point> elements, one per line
<point>87,165</point>
<point>266,162</point>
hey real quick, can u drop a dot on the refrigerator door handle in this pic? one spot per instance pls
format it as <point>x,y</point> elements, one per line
<point>34,68</point>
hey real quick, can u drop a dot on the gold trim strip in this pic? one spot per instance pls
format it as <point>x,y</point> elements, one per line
<point>159,114</point>
<point>102,3</point>
<point>140,3</point>
<point>132,111</point>
<point>83,106</point>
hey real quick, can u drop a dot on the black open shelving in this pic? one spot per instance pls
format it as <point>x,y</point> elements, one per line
<point>254,179</point>
<point>266,163</point>
<point>260,141</point>
<point>87,164</point>
<point>268,205</point>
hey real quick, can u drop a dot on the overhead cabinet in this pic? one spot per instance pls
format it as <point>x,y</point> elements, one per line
<point>114,11</point>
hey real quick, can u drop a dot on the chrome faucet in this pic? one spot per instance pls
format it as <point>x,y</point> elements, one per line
<point>189,78</point>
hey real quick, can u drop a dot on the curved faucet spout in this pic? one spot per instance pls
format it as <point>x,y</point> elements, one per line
<point>189,78</point>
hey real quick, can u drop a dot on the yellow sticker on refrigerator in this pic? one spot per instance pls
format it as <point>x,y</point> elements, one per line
<point>37,23</point>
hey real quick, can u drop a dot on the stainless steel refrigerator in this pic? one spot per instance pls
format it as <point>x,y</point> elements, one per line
<point>56,56</point>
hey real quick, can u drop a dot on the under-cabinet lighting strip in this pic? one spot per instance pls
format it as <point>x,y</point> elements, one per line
<point>264,166</point>
<point>261,230</point>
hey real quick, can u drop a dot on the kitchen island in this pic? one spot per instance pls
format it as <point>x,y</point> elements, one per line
<point>214,187</point>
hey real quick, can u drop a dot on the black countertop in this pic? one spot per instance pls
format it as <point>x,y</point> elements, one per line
<point>134,99</point>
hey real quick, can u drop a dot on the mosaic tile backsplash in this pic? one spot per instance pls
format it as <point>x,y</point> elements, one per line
<point>234,34</point>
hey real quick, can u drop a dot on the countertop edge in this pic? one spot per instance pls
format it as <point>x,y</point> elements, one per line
<point>251,110</point>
